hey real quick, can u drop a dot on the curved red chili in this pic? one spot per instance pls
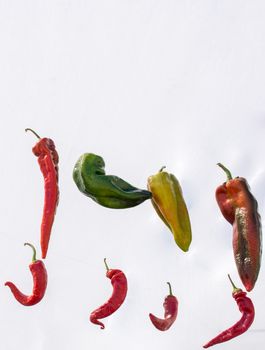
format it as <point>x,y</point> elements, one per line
<point>170,314</point>
<point>48,161</point>
<point>119,283</point>
<point>39,274</point>
<point>246,307</point>
<point>240,209</point>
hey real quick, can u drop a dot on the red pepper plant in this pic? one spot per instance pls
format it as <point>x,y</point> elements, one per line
<point>240,209</point>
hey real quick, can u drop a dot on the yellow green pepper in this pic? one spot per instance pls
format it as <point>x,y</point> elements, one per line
<point>168,201</point>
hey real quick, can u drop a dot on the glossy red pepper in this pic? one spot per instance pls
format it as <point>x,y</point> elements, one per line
<point>170,314</point>
<point>119,283</point>
<point>240,209</point>
<point>48,161</point>
<point>246,307</point>
<point>39,274</point>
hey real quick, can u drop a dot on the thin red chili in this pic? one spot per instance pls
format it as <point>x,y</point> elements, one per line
<point>171,310</point>
<point>119,283</point>
<point>48,161</point>
<point>39,275</point>
<point>246,307</point>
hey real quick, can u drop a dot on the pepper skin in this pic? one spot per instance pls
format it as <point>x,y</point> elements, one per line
<point>246,307</point>
<point>107,190</point>
<point>168,201</point>
<point>40,277</point>
<point>240,209</point>
<point>119,283</point>
<point>48,161</point>
<point>170,314</point>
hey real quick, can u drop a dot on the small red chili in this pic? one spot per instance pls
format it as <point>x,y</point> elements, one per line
<point>40,277</point>
<point>246,307</point>
<point>171,310</point>
<point>119,283</point>
<point>48,161</point>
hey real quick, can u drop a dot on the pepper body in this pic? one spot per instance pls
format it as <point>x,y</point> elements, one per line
<point>240,209</point>
<point>119,283</point>
<point>107,190</point>
<point>247,310</point>
<point>170,313</point>
<point>40,277</point>
<point>48,161</point>
<point>168,201</point>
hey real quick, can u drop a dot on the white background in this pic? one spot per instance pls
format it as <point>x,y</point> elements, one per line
<point>143,84</point>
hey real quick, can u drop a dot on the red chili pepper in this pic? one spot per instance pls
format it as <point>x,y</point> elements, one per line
<point>48,161</point>
<point>246,307</point>
<point>40,277</point>
<point>240,209</point>
<point>119,283</point>
<point>170,315</point>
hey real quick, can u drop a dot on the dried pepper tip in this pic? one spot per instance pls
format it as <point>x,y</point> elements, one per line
<point>228,173</point>
<point>235,289</point>
<point>34,132</point>
<point>163,167</point>
<point>107,268</point>
<point>170,288</point>
<point>34,251</point>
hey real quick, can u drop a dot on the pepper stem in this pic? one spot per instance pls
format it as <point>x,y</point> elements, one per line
<point>235,289</point>
<point>34,251</point>
<point>34,132</point>
<point>106,264</point>
<point>170,288</point>
<point>163,167</point>
<point>228,173</point>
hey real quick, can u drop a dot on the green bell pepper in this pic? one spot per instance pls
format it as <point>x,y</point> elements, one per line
<point>107,190</point>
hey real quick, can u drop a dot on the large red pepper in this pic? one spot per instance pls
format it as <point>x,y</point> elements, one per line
<point>240,209</point>
<point>170,314</point>
<point>48,161</point>
<point>246,307</point>
<point>119,283</point>
<point>39,274</point>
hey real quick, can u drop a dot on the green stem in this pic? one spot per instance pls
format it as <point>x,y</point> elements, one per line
<point>28,129</point>
<point>235,289</point>
<point>163,167</point>
<point>170,289</point>
<point>34,251</point>
<point>228,173</point>
<point>106,264</point>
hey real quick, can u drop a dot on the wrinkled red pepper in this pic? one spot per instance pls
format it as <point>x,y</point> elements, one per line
<point>119,283</point>
<point>170,314</point>
<point>246,307</point>
<point>48,161</point>
<point>40,278</point>
<point>240,209</point>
